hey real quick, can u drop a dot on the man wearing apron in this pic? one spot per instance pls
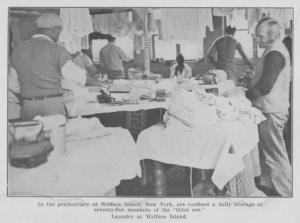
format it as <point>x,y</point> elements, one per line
<point>269,92</point>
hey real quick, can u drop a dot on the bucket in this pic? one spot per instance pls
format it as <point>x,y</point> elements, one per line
<point>58,140</point>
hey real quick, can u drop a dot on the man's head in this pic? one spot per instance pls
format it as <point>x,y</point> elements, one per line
<point>266,32</point>
<point>180,59</point>
<point>111,38</point>
<point>230,31</point>
<point>50,25</point>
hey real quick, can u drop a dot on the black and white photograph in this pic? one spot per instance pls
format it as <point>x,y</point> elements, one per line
<point>155,113</point>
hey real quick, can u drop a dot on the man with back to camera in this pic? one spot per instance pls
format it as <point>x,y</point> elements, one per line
<point>111,57</point>
<point>269,92</point>
<point>225,47</point>
<point>41,64</point>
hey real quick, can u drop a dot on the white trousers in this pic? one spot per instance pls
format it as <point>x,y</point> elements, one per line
<point>273,146</point>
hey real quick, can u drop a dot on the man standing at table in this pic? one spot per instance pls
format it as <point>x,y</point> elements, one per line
<point>224,47</point>
<point>41,64</point>
<point>111,57</point>
<point>269,92</point>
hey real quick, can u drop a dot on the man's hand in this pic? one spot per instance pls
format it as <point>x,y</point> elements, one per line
<point>96,76</point>
<point>104,84</point>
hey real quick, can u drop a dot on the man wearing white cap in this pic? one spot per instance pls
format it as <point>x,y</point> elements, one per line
<point>111,57</point>
<point>41,64</point>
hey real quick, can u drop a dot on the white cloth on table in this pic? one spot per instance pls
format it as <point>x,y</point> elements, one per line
<point>89,168</point>
<point>83,108</point>
<point>186,109</point>
<point>51,122</point>
<point>220,147</point>
<point>81,129</point>
<point>203,131</point>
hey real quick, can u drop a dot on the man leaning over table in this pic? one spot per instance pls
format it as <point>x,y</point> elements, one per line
<point>269,92</point>
<point>41,64</point>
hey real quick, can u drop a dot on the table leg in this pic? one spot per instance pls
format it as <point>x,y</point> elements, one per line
<point>159,178</point>
<point>143,179</point>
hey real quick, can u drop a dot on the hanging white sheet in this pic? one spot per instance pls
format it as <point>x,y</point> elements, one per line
<point>185,24</point>
<point>114,23</point>
<point>77,24</point>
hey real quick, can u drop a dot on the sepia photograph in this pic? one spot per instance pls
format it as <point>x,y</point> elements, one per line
<point>161,113</point>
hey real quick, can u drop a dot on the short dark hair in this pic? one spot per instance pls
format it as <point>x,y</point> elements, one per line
<point>229,30</point>
<point>110,38</point>
<point>180,58</point>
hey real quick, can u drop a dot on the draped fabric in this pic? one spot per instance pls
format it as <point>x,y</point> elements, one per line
<point>77,24</point>
<point>222,11</point>
<point>185,24</point>
<point>253,18</point>
<point>254,15</point>
<point>282,16</point>
<point>114,23</point>
<point>234,19</point>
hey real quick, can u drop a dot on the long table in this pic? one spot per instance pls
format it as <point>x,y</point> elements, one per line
<point>89,168</point>
<point>229,148</point>
<point>135,116</point>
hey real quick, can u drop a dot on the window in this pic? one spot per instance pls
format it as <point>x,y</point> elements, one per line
<point>248,43</point>
<point>168,50</point>
<point>125,43</point>
<point>164,49</point>
<point>242,35</point>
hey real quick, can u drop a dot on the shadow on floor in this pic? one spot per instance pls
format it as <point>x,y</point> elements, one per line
<point>177,184</point>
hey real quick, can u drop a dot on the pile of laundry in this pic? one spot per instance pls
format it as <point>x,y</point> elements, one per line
<point>198,109</point>
<point>79,129</point>
<point>234,107</point>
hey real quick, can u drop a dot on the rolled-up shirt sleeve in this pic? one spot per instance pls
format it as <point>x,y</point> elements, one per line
<point>73,73</point>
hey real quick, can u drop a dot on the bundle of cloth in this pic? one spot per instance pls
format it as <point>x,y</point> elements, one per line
<point>79,129</point>
<point>200,110</point>
<point>214,76</point>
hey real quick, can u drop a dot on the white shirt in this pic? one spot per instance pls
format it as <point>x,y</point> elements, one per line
<point>186,72</point>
